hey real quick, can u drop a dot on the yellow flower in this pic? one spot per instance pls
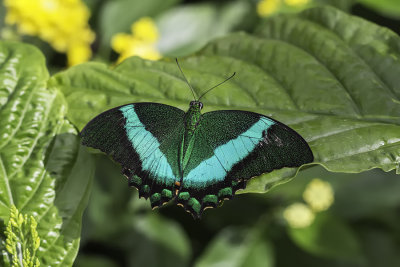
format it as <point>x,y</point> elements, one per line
<point>145,29</point>
<point>61,23</point>
<point>298,215</point>
<point>296,2</point>
<point>78,53</point>
<point>319,195</point>
<point>142,42</point>
<point>267,7</point>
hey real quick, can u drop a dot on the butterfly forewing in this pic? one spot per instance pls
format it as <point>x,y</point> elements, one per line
<point>144,138</point>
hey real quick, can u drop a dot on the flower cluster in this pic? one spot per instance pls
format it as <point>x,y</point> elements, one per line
<point>22,239</point>
<point>268,7</point>
<point>141,42</point>
<point>318,195</point>
<point>61,23</point>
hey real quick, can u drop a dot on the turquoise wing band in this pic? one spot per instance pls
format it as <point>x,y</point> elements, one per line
<point>215,168</point>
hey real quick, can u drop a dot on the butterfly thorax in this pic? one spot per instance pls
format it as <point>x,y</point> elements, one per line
<point>192,119</point>
<point>192,116</point>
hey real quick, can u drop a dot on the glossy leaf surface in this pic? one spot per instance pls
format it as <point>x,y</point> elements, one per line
<point>43,170</point>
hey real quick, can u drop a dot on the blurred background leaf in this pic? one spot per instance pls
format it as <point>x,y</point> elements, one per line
<point>328,236</point>
<point>238,247</point>
<point>186,29</point>
<point>117,16</point>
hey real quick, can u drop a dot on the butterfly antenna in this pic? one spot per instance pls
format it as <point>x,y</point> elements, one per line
<point>227,79</point>
<point>191,88</point>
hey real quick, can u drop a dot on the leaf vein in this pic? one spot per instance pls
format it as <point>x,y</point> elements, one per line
<point>346,90</point>
<point>8,188</point>
<point>363,61</point>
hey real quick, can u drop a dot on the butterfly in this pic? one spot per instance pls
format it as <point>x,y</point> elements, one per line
<point>198,160</point>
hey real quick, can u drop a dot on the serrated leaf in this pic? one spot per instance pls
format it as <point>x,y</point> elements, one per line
<point>330,76</point>
<point>43,170</point>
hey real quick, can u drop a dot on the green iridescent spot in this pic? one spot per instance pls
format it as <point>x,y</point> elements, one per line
<point>146,188</point>
<point>235,183</point>
<point>166,193</point>
<point>184,195</point>
<point>227,191</point>
<point>210,198</point>
<point>196,206</point>
<point>135,180</point>
<point>155,197</point>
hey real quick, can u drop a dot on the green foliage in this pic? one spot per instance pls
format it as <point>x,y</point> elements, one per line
<point>43,170</point>
<point>330,76</point>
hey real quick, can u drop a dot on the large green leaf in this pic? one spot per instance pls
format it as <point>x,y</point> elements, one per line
<point>43,170</point>
<point>332,77</point>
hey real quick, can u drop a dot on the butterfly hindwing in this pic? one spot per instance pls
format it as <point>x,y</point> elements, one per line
<point>143,138</point>
<point>231,147</point>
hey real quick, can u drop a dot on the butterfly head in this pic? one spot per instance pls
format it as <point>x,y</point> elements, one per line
<point>195,104</point>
